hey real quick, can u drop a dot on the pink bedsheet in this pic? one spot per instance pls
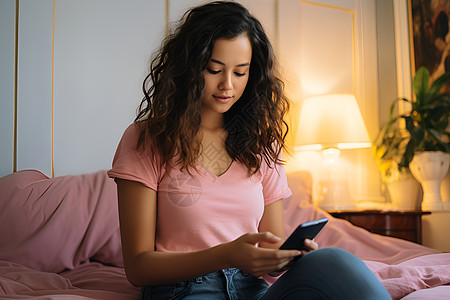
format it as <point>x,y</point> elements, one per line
<point>90,281</point>
<point>59,239</point>
<point>402,267</point>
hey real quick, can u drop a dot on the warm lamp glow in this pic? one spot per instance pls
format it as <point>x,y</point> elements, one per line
<point>331,121</point>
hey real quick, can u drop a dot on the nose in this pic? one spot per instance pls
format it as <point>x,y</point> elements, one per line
<point>225,82</point>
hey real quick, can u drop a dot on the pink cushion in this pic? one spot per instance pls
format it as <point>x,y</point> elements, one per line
<point>58,223</point>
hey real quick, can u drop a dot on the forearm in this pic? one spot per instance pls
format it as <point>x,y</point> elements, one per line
<point>153,268</point>
<point>273,222</point>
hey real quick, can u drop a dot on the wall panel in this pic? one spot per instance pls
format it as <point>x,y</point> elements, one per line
<point>326,53</point>
<point>176,8</point>
<point>34,102</point>
<point>264,10</point>
<point>102,54</point>
<point>7,33</point>
<point>330,47</point>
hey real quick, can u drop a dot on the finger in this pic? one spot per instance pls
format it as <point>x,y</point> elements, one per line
<point>282,266</point>
<point>268,237</point>
<point>262,263</point>
<point>273,263</point>
<point>311,244</point>
<point>278,253</point>
<point>269,268</point>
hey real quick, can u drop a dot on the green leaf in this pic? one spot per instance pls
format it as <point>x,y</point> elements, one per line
<point>409,124</point>
<point>393,117</point>
<point>435,134</point>
<point>439,121</point>
<point>408,155</point>
<point>417,134</point>
<point>437,85</point>
<point>421,84</point>
<point>447,147</point>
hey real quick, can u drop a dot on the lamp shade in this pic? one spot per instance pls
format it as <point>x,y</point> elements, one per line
<point>331,121</point>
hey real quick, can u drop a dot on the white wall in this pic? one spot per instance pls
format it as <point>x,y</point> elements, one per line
<point>34,93</point>
<point>81,66</point>
<point>80,69</point>
<point>102,53</point>
<point>7,24</point>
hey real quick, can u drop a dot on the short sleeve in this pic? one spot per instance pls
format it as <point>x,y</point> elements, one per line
<point>274,182</point>
<point>131,164</point>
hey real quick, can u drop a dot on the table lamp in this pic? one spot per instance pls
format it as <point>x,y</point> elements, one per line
<point>330,123</point>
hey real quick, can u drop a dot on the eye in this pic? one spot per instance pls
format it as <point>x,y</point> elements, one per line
<point>239,74</point>
<point>212,71</point>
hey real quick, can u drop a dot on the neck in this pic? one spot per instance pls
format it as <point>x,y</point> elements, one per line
<point>211,121</point>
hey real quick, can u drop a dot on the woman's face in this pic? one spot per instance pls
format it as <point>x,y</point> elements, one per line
<point>227,73</point>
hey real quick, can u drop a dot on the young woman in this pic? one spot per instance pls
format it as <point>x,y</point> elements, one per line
<point>200,177</point>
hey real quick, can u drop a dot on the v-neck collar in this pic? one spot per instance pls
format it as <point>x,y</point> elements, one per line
<point>214,175</point>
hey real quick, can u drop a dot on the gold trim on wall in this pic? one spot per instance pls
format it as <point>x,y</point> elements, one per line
<point>52,165</point>
<point>411,39</point>
<point>16,75</point>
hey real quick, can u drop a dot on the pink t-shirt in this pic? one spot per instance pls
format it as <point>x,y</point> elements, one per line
<point>200,210</point>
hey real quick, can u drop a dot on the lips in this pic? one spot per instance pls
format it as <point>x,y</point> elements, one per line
<point>222,99</point>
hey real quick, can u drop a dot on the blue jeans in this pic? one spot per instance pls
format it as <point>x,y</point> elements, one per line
<point>328,273</point>
<point>225,284</point>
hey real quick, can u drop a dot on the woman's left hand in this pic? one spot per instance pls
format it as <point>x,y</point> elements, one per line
<point>311,245</point>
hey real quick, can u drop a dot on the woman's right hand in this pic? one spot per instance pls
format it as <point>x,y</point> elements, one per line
<point>244,253</point>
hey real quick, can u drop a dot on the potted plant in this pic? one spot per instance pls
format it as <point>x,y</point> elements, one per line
<point>424,133</point>
<point>397,181</point>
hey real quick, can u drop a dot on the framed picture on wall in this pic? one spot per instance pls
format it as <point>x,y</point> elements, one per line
<point>430,35</point>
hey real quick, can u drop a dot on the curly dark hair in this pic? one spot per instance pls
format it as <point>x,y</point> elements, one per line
<point>169,115</point>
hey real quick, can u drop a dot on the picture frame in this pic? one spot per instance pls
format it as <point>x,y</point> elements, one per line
<point>429,36</point>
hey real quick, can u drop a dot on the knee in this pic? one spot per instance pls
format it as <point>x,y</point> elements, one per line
<point>330,252</point>
<point>331,258</point>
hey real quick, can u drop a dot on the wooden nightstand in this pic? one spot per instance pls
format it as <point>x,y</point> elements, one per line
<point>406,225</point>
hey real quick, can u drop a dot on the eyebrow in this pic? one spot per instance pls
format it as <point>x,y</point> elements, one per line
<point>221,63</point>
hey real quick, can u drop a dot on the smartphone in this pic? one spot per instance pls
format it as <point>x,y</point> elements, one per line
<point>304,231</point>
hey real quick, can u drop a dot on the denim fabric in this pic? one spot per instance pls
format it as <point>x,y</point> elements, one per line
<point>328,273</point>
<point>232,284</point>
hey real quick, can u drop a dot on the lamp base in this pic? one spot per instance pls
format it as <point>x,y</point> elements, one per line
<point>333,190</point>
<point>334,195</point>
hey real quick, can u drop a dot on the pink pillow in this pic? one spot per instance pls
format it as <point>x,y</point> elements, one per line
<point>300,183</point>
<point>298,208</point>
<point>53,224</point>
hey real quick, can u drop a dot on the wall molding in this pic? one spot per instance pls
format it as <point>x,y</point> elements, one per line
<point>52,166</point>
<point>403,54</point>
<point>16,77</point>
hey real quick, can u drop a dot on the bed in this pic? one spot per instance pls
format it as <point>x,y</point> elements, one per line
<point>59,239</point>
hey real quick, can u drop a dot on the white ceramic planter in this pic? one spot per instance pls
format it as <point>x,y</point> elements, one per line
<point>429,168</point>
<point>403,193</point>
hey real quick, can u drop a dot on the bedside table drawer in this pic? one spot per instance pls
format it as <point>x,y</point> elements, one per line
<point>400,224</point>
<point>383,222</point>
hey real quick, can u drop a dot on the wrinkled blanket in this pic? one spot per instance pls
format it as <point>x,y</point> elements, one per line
<point>59,239</point>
